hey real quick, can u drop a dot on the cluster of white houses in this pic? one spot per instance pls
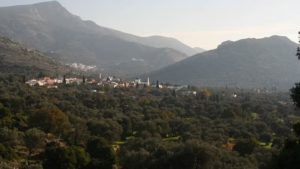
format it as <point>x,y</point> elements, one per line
<point>107,81</point>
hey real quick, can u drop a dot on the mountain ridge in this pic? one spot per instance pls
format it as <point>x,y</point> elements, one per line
<point>69,38</point>
<point>247,63</point>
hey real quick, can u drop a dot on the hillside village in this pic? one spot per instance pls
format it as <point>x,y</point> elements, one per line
<point>109,81</point>
<point>115,82</point>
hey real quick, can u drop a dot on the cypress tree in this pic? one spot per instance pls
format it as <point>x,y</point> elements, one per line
<point>64,80</point>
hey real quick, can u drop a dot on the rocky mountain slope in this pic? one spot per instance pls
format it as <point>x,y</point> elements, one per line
<point>16,59</point>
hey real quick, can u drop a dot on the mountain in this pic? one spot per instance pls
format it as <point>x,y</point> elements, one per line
<point>162,42</point>
<point>247,63</point>
<point>50,28</point>
<point>199,50</point>
<point>16,59</point>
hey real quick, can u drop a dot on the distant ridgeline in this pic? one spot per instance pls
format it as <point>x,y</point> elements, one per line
<point>248,63</point>
<point>52,29</point>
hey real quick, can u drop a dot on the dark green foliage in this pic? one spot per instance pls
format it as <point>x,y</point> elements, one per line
<point>266,137</point>
<point>101,153</point>
<point>145,128</point>
<point>64,79</point>
<point>7,153</point>
<point>245,147</point>
<point>34,139</point>
<point>289,156</point>
<point>10,137</point>
<point>65,158</point>
<point>296,128</point>
<point>106,128</point>
<point>83,79</point>
<point>295,94</point>
<point>50,120</point>
<point>192,157</point>
<point>32,166</point>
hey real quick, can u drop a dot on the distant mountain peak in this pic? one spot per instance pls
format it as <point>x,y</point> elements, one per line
<point>278,36</point>
<point>51,28</point>
<point>248,63</point>
<point>228,42</point>
<point>38,10</point>
<point>49,3</point>
<point>283,38</point>
<point>274,38</point>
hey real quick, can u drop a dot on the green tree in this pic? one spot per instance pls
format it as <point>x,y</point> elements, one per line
<point>50,120</point>
<point>296,128</point>
<point>295,94</point>
<point>65,158</point>
<point>7,153</point>
<point>6,117</point>
<point>10,137</point>
<point>102,154</point>
<point>64,79</point>
<point>83,79</point>
<point>244,147</point>
<point>34,139</point>
<point>289,156</point>
<point>192,156</point>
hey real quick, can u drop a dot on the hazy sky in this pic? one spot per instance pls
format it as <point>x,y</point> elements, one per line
<point>201,23</point>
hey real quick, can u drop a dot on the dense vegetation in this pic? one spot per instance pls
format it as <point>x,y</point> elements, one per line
<point>74,127</point>
<point>289,156</point>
